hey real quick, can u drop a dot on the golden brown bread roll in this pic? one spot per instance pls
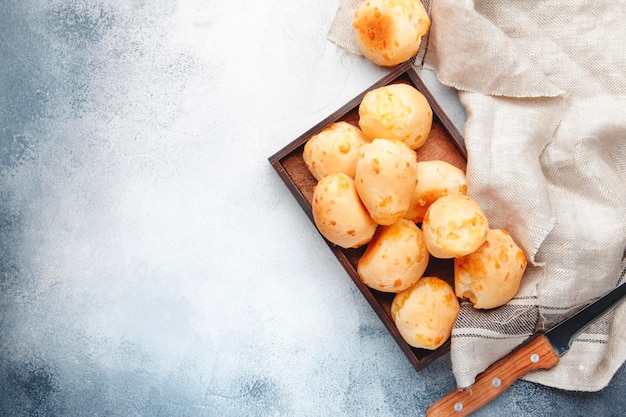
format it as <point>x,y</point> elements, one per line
<point>389,32</point>
<point>434,179</point>
<point>334,149</point>
<point>395,258</point>
<point>490,276</point>
<point>396,111</point>
<point>339,214</point>
<point>385,178</point>
<point>425,313</point>
<point>454,225</point>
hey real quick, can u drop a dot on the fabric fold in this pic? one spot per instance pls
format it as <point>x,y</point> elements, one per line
<point>518,131</point>
<point>468,52</point>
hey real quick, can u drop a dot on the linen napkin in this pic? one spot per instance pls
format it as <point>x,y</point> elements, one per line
<point>544,88</point>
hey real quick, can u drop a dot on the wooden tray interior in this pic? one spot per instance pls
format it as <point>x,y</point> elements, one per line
<point>444,143</point>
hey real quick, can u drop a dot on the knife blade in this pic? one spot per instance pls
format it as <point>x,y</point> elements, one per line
<point>541,351</point>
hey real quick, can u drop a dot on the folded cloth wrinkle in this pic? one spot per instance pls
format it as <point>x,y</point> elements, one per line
<point>473,54</point>
<point>544,88</point>
<point>525,127</point>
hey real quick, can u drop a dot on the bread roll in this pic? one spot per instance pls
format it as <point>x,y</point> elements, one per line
<point>389,32</point>
<point>396,111</point>
<point>425,313</point>
<point>490,276</point>
<point>454,226</point>
<point>434,179</point>
<point>395,258</point>
<point>339,214</point>
<point>385,178</point>
<point>334,149</point>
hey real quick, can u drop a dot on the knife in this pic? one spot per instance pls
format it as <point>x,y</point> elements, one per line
<point>541,351</point>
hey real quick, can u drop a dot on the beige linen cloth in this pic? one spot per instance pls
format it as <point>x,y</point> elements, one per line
<point>544,87</point>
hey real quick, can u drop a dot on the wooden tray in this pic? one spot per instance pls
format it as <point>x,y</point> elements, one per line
<point>444,143</point>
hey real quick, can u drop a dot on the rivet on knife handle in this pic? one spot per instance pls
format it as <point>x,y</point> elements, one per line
<point>536,353</point>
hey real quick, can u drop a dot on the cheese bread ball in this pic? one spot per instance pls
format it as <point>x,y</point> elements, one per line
<point>490,276</point>
<point>425,313</point>
<point>395,258</point>
<point>339,214</point>
<point>396,111</point>
<point>385,178</point>
<point>434,179</point>
<point>454,226</point>
<point>334,149</point>
<point>389,32</point>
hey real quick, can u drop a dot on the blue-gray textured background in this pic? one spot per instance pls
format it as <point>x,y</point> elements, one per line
<point>151,262</point>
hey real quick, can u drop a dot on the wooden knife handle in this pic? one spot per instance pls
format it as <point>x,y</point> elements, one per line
<point>536,353</point>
